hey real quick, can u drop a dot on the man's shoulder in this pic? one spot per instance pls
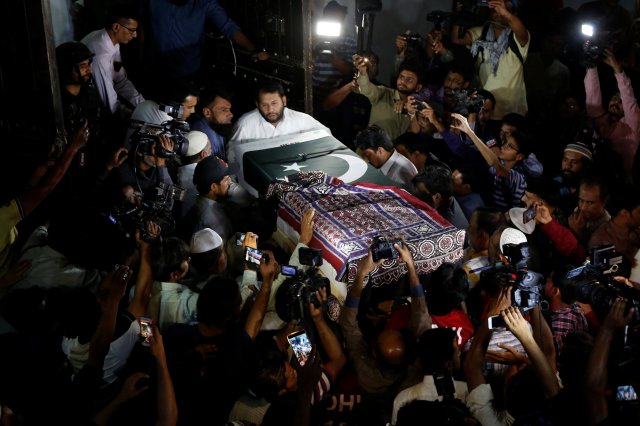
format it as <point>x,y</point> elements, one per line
<point>94,39</point>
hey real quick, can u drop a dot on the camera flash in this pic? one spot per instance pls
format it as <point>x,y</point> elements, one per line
<point>587,30</point>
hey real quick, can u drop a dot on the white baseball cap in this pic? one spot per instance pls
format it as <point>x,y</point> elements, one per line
<point>198,141</point>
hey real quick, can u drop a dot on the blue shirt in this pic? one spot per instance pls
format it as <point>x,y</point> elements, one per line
<point>217,141</point>
<point>178,32</point>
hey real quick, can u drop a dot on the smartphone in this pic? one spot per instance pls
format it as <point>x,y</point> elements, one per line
<point>301,345</point>
<point>626,393</point>
<point>288,270</point>
<point>146,330</point>
<point>240,238</point>
<point>253,257</point>
<point>496,321</point>
<point>529,214</point>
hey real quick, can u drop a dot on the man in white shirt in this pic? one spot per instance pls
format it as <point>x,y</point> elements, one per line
<point>377,150</point>
<point>199,149</point>
<point>271,118</point>
<point>109,74</point>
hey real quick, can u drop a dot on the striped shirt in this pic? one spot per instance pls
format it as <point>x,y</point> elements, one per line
<point>508,190</point>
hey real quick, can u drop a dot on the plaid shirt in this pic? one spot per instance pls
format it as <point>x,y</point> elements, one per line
<point>565,320</point>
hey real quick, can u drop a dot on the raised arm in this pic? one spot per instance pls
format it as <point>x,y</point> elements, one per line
<point>327,338</point>
<point>516,25</point>
<point>34,196</point>
<point>142,293</point>
<point>368,89</point>
<point>597,374</point>
<point>520,328</point>
<point>420,318</point>
<point>461,123</point>
<point>166,397</point>
<point>259,308</point>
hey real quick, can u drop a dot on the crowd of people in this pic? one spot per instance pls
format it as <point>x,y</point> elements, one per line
<point>130,294</point>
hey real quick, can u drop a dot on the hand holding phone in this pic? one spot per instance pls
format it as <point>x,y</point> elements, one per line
<point>301,345</point>
<point>529,214</point>
<point>146,330</point>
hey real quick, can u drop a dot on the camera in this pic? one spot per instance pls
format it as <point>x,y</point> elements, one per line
<point>593,282</point>
<point>174,109</point>
<point>147,135</point>
<point>596,43</point>
<point>297,292</point>
<point>382,248</point>
<point>438,17</point>
<point>154,209</point>
<point>467,101</point>
<point>526,286</point>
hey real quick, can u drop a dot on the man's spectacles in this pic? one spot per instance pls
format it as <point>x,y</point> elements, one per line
<point>406,79</point>
<point>131,30</point>
<point>509,145</point>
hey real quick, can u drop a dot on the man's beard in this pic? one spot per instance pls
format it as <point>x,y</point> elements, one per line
<point>223,130</point>
<point>571,179</point>
<point>405,91</point>
<point>273,119</point>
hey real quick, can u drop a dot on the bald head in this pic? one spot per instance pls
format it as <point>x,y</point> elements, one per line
<point>391,346</point>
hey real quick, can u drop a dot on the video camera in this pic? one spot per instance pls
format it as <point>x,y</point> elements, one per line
<point>147,135</point>
<point>298,291</point>
<point>139,216</point>
<point>526,286</point>
<point>467,101</point>
<point>593,282</point>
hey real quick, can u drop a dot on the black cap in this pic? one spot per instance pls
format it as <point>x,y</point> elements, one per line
<point>209,171</point>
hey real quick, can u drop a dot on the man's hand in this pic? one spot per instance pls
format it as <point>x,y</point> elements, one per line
<point>508,356</point>
<point>269,271</point>
<point>616,319</point>
<point>118,157</point>
<point>114,285</point>
<point>500,8</point>
<point>516,323</point>
<point>411,106</point>
<point>401,43</point>
<point>80,137</point>
<point>366,264</point>
<point>165,143</point>
<point>306,226</point>
<point>131,387</point>
<point>360,63</point>
<point>156,346</point>
<point>610,59</point>
<point>316,313</point>
<point>461,123</point>
<point>405,254</point>
<point>542,215</point>
<point>577,222</point>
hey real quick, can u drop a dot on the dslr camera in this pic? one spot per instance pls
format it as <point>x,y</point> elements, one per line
<point>468,101</point>
<point>297,292</point>
<point>382,248</point>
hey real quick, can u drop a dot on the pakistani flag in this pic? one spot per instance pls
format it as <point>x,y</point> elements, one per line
<point>266,160</point>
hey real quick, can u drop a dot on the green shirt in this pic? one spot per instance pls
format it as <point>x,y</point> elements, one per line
<point>383,114</point>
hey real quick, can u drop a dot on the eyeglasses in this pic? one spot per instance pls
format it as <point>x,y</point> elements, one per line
<point>509,145</point>
<point>406,79</point>
<point>131,30</point>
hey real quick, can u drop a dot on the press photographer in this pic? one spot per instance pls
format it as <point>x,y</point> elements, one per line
<point>386,363</point>
<point>145,170</point>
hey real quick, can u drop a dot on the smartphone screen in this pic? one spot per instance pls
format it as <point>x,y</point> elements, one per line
<point>529,214</point>
<point>496,321</point>
<point>252,255</point>
<point>301,345</point>
<point>626,393</point>
<point>146,330</point>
